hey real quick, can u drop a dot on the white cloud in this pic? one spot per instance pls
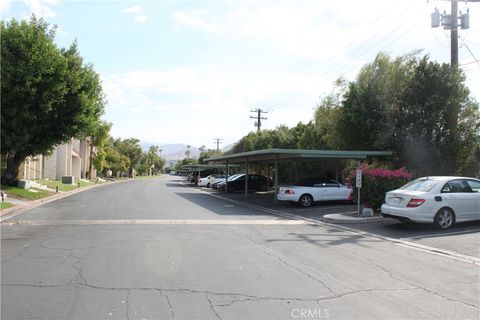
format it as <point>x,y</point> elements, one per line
<point>192,97</point>
<point>196,22</point>
<point>138,13</point>
<point>5,5</point>
<point>140,19</point>
<point>196,104</point>
<point>42,8</point>
<point>134,9</point>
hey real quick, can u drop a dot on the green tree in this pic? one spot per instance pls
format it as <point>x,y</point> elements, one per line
<point>115,161</point>
<point>131,149</point>
<point>98,140</point>
<point>371,117</point>
<point>208,154</point>
<point>422,110</point>
<point>434,142</point>
<point>185,161</point>
<point>151,163</point>
<point>48,95</point>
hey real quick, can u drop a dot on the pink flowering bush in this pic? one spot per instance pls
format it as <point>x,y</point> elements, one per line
<point>377,181</point>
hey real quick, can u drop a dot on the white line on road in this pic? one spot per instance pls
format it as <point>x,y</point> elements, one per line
<point>154,222</point>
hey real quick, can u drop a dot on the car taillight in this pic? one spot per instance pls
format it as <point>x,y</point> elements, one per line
<point>288,191</point>
<point>415,203</point>
<point>350,196</point>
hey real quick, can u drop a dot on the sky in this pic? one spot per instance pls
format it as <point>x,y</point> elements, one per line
<point>191,71</point>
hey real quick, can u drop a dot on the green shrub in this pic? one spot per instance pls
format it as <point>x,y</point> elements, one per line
<point>378,181</point>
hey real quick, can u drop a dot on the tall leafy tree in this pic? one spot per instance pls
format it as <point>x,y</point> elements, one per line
<point>420,109</point>
<point>99,137</point>
<point>131,149</point>
<point>434,141</point>
<point>49,95</point>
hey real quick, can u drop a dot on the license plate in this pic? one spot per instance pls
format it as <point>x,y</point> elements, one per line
<point>394,201</point>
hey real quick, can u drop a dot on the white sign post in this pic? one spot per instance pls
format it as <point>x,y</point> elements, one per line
<point>358,184</point>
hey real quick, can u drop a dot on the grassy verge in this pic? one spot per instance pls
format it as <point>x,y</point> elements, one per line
<point>16,192</point>
<point>52,184</point>
<point>5,205</point>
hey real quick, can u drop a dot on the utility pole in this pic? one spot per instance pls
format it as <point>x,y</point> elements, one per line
<point>450,22</point>
<point>218,141</point>
<point>259,117</point>
<point>454,34</point>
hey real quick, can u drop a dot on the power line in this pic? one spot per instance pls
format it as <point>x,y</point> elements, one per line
<point>294,94</point>
<point>341,68</point>
<point>471,53</point>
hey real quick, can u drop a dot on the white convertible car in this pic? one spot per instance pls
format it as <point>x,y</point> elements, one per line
<point>309,191</point>
<point>439,200</point>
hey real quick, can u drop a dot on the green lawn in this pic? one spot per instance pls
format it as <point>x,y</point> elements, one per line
<point>5,205</point>
<point>16,192</point>
<point>52,184</point>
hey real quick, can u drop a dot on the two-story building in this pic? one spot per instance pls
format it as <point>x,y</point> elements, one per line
<point>68,159</point>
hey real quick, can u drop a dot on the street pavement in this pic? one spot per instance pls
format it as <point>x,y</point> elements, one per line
<point>156,249</point>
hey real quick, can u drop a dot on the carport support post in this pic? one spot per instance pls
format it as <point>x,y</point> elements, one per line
<point>268,176</point>
<point>246,177</point>
<point>336,172</point>
<point>276,180</point>
<point>226,178</point>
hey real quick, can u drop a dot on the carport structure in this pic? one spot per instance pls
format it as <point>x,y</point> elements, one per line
<point>275,156</point>
<point>202,167</point>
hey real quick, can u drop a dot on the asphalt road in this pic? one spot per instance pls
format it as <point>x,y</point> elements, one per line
<point>155,249</point>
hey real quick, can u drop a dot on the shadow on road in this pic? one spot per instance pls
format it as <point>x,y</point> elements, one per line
<point>221,207</point>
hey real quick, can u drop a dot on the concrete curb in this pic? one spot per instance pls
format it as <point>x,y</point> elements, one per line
<point>18,209</point>
<point>346,219</point>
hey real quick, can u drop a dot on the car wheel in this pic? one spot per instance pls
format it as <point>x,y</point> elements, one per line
<point>305,200</point>
<point>208,185</point>
<point>445,218</point>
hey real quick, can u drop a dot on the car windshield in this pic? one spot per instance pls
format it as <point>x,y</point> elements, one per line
<point>424,185</point>
<point>235,177</point>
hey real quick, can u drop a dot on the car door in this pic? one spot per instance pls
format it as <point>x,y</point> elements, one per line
<point>460,198</point>
<point>475,187</point>
<point>337,191</point>
<point>253,182</point>
<point>322,191</point>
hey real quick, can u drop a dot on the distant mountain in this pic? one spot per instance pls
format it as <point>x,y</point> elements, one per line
<point>228,148</point>
<point>176,151</point>
<point>172,151</point>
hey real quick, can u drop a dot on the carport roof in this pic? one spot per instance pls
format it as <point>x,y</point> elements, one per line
<point>289,154</point>
<point>201,167</point>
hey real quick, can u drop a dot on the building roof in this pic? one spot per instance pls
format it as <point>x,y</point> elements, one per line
<point>290,154</point>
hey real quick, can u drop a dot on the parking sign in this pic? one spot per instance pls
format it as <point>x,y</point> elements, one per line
<point>359,178</point>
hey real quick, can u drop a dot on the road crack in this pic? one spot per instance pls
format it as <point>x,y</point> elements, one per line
<point>266,249</point>
<point>391,275</point>
<point>172,311</point>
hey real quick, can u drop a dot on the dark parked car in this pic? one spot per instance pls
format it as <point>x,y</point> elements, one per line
<point>216,185</point>
<point>256,182</point>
